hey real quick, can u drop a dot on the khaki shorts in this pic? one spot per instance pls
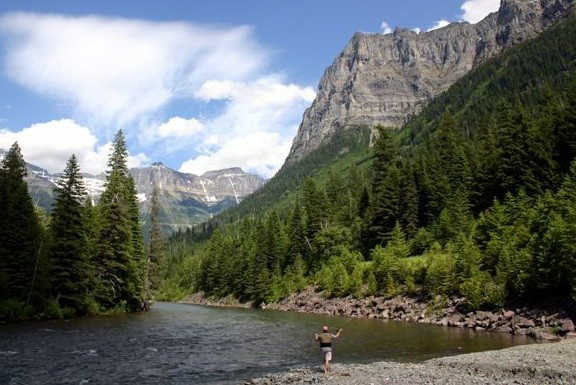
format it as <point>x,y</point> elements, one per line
<point>327,354</point>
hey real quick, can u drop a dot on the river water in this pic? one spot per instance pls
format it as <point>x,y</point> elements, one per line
<point>186,344</point>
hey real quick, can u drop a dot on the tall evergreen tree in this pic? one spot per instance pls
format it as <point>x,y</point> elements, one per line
<point>298,244</point>
<point>384,207</point>
<point>119,258</point>
<point>156,247</point>
<point>526,160</point>
<point>68,249</point>
<point>565,129</point>
<point>316,209</point>
<point>409,203</point>
<point>452,155</point>
<point>20,231</point>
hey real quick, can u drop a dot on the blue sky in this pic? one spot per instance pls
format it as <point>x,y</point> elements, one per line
<point>198,85</point>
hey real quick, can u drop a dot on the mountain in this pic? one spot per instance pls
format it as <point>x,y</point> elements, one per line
<point>472,199</point>
<point>387,79</point>
<point>185,199</point>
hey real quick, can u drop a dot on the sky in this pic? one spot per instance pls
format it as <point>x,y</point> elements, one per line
<point>196,85</point>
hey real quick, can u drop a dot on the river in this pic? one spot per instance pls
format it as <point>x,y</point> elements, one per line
<point>187,344</point>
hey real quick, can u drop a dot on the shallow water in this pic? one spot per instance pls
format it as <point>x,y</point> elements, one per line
<point>186,344</point>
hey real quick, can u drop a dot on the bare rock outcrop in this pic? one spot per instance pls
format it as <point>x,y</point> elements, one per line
<point>386,79</point>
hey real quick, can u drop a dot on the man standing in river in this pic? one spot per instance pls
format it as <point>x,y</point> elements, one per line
<point>325,339</point>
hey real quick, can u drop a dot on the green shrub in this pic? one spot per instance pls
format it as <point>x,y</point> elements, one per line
<point>481,291</point>
<point>14,310</point>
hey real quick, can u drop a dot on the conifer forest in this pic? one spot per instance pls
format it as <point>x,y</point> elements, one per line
<point>474,197</point>
<point>81,258</point>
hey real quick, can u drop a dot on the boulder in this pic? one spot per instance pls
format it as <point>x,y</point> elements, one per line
<point>455,319</point>
<point>508,314</point>
<point>502,329</point>
<point>566,326</point>
<point>523,322</point>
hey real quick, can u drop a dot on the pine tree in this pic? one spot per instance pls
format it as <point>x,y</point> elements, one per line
<point>386,205</point>
<point>526,160</point>
<point>565,129</point>
<point>156,247</point>
<point>316,208</point>
<point>487,181</point>
<point>68,250</point>
<point>297,240</point>
<point>20,231</point>
<point>409,203</point>
<point>384,209</point>
<point>119,259</point>
<point>452,155</point>
<point>337,195</point>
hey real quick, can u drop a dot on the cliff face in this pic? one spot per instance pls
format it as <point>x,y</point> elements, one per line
<point>386,79</point>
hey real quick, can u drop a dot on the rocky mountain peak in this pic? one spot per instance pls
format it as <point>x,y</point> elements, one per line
<point>386,79</point>
<point>185,199</point>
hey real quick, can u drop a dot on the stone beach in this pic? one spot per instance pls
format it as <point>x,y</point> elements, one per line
<point>540,363</point>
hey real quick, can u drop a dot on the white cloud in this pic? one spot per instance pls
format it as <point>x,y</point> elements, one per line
<point>439,24</point>
<point>256,129</point>
<point>115,70</point>
<point>256,152</point>
<point>111,72</point>
<point>476,10</point>
<point>180,127</point>
<point>50,145</point>
<point>385,27</point>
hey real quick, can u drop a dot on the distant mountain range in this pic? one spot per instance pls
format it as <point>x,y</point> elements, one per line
<point>185,199</point>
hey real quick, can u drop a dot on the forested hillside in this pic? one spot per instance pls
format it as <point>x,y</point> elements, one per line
<point>474,197</point>
<point>81,259</point>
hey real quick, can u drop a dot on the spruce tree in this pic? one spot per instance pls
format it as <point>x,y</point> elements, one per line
<point>565,130</point>
<point>384,206</point>
<point>68,250</point>
<point>20,231</point>
<point>526,160</point>
<point>119,258</point>
<point>297,241</point>
<point>156,247</point>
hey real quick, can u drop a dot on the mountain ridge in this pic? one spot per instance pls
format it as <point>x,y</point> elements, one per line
<point>185,199</point>
<point>387,79</point>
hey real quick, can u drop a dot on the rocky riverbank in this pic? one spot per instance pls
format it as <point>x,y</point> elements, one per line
<point>543,323</point>
<point>541,364</point>
<point>551,322</point>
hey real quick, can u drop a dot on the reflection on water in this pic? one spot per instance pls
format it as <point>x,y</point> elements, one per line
<point>185,344</point>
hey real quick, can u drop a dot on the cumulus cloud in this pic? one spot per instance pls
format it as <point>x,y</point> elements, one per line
<point>439,24</point>
<point>116,70</point>
<point>112,72</point>
<point>246,133</point>
<point>180,127</point>
<point>385,28</point>
<point>476,10</point>
<point>50,145</point>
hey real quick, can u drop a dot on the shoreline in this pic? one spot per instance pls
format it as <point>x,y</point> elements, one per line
<point>539,363</point>
<point>552,322</point>
<point>547,361</point>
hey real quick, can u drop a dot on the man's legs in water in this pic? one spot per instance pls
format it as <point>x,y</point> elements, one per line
<point>327,359</point>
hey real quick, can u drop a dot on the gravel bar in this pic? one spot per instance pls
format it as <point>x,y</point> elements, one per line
<point>541,363</point>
